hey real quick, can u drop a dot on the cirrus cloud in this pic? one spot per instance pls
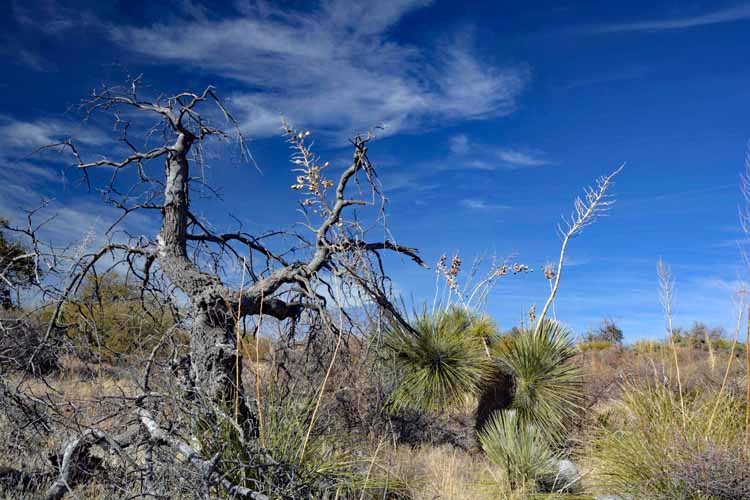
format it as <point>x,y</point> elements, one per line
<point>336,69</point>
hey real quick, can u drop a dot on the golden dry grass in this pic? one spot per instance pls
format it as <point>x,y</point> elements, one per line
<point>440,472</point>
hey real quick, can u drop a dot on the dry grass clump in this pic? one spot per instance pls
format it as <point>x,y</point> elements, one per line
<point>444,472</point>
<point>642,448</point>
<point>607,370</point>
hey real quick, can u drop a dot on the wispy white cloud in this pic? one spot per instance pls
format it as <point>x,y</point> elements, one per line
<point>462,154</point>
<point>28,58</point>
<point>23,137</point>
<point>38,19</point>
<point>725,15</point>
<point>479,204</point>
<point>413,180</point>
<point>522,158</point>
<point>335,69</point>
<point>577,261</point>
<point>51,17</point>
<point>30,178</point>
<point>722,284</point>
<point>29,174</point>
<point>370,17</point>
<point>470,155</point>
<point>459,144</point>
<point>25,185</point>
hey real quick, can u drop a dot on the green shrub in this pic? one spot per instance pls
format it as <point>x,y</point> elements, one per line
<point>595,345</point>
<point>502,343</point>
<point>108,320</point>
<point>294,464</point>
<point>18,268</point>
<point>608,331</point>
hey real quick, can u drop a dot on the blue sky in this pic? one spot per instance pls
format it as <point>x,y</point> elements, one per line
<point>496,115</point>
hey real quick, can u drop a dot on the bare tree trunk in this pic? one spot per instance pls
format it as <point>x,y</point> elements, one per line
<point>213,351</point>
<point>214,367</point>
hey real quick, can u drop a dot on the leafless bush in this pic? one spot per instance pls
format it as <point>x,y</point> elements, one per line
<point>720,474</point>
<point>24,347</point>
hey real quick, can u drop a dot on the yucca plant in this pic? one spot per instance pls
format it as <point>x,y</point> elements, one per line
<point>518,448</point>
<point>483,327</point>
<point>547,386</point>
<point>441,359</point>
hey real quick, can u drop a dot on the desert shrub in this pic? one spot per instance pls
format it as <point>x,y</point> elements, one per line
<point>415,427</point>
<point>700,336</point>
<point>293,457</point>
<point>643,448</point>
<point>18,268</point>
<point>608,332</point>
<point>480,326</point>
<point>109,321</point>
<point>442,361</point>
<point>726,345</point>
<point>502,343</point>
<point>286,471</point>
<point>594,345</point>
<point>715,473</point>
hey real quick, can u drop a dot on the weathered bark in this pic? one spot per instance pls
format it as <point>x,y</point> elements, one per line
<point>214,366</point>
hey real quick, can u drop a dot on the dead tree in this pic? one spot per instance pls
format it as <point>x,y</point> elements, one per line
<point>190,254</point>
<point>211,281</point>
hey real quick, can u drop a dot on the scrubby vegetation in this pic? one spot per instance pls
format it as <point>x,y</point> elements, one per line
<point>559,422</point>
<point>150,377</point>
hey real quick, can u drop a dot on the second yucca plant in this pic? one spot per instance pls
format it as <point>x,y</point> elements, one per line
<point>547,386</point>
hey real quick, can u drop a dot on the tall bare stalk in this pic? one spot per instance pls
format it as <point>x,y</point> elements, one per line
<point>666,286</point>
<point>711,353</point>
<point>256,372</point>
<point>744,216</point>
<point>325,380</point>
<point>238,340</point>
<point>594,204</point>
<point>740,310</point>
<point>747,387</point>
